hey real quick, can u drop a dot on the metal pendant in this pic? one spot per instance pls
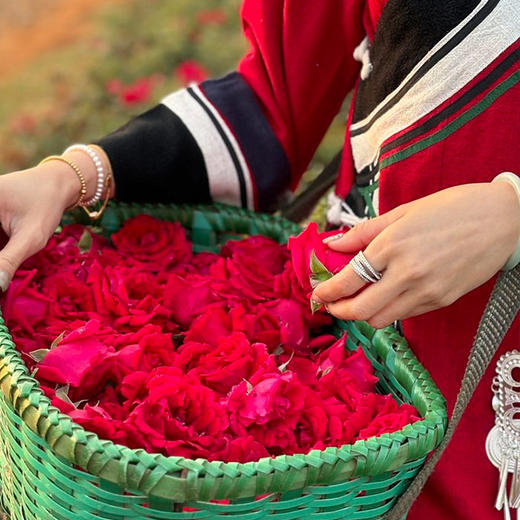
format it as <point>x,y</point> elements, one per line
<point>503,441</point>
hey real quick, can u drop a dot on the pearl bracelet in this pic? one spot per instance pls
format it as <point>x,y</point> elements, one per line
<point>101,174</point>
<point>514,180</point>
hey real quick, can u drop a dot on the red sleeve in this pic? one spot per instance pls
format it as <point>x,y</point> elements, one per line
<point>300,67</point>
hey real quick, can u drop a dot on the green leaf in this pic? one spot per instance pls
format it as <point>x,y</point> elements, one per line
<point>319,273</point>
<point>62,393</point>
<point>39,354</point>
<point>56,341</point>
<point>85,242</point>
<point>317,268</point>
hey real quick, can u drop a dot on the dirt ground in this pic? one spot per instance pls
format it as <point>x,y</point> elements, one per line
<point>29,28</point>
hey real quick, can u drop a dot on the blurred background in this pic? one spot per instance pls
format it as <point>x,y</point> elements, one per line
<point>72,71</point>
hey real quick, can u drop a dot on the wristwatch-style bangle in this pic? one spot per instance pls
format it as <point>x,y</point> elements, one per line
<point>514,180</point>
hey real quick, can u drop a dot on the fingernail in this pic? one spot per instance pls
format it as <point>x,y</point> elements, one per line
<point>4,281</point>
<point>317,299</point>
<point>315,306</point>
<point>315,282</point>
<point>332,238</point>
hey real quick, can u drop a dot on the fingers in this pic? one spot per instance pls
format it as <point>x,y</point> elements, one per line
<point>405,306</point>
<point>343,284</point>
<point>363,233</point>
<point>347,282</point>
<point>21,245</point>
<point>371,301</point>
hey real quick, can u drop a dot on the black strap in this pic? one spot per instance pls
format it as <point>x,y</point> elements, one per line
<point>301,207</point>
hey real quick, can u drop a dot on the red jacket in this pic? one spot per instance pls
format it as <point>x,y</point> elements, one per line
<point>437,106</point>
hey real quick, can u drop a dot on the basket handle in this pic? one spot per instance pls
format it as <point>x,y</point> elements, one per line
<point>500,311</point>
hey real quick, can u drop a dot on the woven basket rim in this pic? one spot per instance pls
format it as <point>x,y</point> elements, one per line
<point>180,479</point>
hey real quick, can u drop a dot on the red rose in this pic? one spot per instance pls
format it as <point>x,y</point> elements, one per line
<point>133,387</point>
<point>286,285</point>
<point>190,71</point>
<point>268,409</point>
<point>180,416</point>
<point>250,375</point>
<point>76,356</point>
<point>70,296</point>
<point>368,414</point>
<point>210,326</point>
<point>294,333</point>
<point>233,360</point>
<point>108,289</point>
<point>258,324</point>
<point>153,350</point>
<point>95,419</point>
<point>248,269</point>
<point>343,374</point>
<point>338,415</point>
<point>24,306</point>
<point>236,281</point>
<point>63,252</point>
<point>187,401</point>
<point>390,422</point>
<point>137,92</point>
<point>201,262</point>
<point>128,297</point>
<point>297,362</point>
<point>258,249</point>
<point>312,423</point>
<point>242,449</point>
<point>310,240</point>
<point>188,297</point>
<point>155,244</point>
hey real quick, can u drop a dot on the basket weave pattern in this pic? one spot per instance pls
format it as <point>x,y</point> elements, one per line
<point>51,468</point>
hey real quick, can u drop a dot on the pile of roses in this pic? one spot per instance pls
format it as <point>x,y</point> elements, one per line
<point>198,355</point>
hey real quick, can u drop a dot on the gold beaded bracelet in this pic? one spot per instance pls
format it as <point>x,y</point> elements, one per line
<point>82,181</point>
<point>94,215</point>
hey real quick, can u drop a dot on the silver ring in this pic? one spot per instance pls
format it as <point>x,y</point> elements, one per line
<point>362,267</point>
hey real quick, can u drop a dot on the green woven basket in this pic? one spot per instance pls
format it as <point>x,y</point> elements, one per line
<point>52,469</point>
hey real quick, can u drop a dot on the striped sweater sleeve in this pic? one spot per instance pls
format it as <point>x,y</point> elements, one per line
<point>245,139</point>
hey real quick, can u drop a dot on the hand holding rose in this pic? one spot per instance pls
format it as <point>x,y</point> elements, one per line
<point>431,251</point>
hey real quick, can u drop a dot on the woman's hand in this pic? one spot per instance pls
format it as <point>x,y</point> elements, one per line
<point>431,251</point>
<point>32,203</point>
